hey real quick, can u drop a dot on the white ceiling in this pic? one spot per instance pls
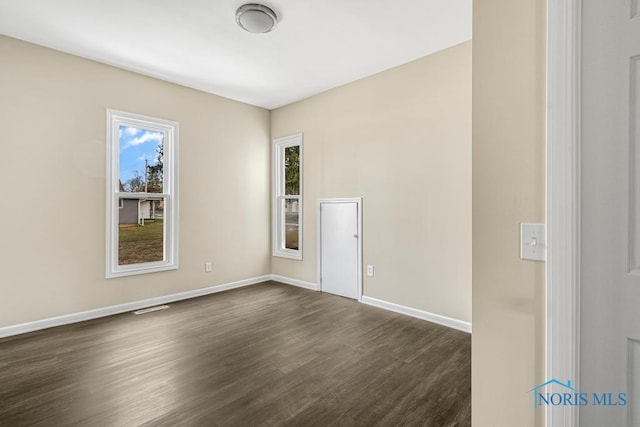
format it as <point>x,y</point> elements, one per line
<point>316,46</point>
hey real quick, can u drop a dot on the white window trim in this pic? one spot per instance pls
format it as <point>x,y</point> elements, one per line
<point>279,145</point>
<point>170,187</point>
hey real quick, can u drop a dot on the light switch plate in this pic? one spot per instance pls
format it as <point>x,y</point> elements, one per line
<point>533,242</point>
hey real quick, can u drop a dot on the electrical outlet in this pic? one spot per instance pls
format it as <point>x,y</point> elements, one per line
<point>370,270</point>
<point>207,267</point>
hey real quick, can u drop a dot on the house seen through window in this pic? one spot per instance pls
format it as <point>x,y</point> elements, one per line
<point>141,220</point>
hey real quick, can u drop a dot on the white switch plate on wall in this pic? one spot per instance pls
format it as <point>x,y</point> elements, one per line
<point>533,241</point>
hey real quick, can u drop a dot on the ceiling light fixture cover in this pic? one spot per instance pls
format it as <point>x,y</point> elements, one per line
<point>256,18</point>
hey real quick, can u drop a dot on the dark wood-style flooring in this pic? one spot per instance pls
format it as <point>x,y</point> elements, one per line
<point>268,354</point>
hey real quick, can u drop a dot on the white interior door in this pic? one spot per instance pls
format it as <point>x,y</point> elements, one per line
<point>340,248</point>
<point>610,223</point>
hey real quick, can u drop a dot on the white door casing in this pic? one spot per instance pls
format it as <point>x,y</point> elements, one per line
<point>339,247</point>
<point>563,201</point>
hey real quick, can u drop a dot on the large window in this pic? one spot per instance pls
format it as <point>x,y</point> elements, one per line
<point>141,194</point>
<point>287,211</point>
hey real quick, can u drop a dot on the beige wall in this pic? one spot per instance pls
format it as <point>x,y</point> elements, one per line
<point>52,169</point>
<point>400,139</point>
<point>508,188</point>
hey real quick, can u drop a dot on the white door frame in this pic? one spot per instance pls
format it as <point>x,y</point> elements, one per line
<point>562,308</point>
<point>358,202</point>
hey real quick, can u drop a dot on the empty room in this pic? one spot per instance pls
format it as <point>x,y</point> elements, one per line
<point>228,213</point>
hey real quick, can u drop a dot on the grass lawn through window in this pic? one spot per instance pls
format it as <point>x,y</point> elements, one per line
<point>138,244</point>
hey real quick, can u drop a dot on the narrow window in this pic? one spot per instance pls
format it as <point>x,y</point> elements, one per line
<point>287,212</point>
<point>141,194</point>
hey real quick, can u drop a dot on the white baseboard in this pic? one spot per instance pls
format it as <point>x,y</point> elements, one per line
<point>123,308</point>
<point>420,314</point>
<point>294,282</point>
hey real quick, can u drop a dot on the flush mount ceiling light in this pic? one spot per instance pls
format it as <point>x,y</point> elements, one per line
<point>256,18</point>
